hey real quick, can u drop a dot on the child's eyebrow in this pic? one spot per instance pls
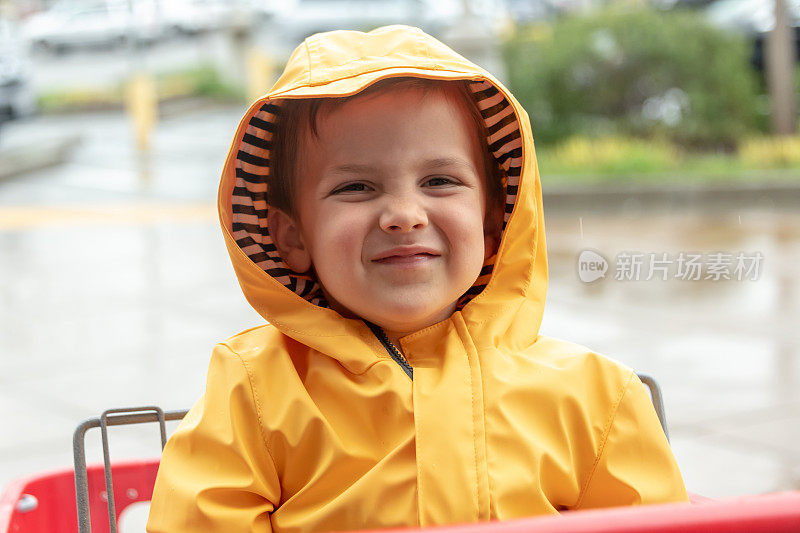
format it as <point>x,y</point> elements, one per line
<point>428,164</point>
<point>440,162</point>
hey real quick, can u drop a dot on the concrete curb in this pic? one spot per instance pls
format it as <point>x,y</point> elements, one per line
<point>18,160</point>
<point>645,196</point>
<point>167,108</point>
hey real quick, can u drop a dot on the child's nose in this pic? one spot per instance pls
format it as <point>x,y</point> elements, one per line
<point>402,215</point>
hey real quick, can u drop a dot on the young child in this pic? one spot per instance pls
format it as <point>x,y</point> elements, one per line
<point>382,209</point>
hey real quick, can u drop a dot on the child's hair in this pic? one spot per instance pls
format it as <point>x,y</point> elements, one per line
<point>298,114</point>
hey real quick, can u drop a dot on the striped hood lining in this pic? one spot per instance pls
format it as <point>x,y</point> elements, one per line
<point>249,200</point>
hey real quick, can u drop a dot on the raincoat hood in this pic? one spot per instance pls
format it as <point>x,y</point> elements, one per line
<point>507,301</point>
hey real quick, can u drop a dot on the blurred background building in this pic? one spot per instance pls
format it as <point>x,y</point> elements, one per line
<point>664,128</point>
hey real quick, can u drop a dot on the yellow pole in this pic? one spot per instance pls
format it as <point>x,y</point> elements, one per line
<point>260,73</point>
<point>142,106</point>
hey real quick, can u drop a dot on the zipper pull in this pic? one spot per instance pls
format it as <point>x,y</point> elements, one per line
<point>391,348</point>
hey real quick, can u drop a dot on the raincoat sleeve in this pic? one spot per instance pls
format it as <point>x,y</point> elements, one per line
<point>216,471</point>
<point>634,463</point>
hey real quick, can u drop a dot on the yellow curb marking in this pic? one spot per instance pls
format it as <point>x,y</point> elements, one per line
<point>24,217</point>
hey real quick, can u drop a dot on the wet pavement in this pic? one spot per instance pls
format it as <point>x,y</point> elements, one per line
<point>726,352</point>
<point>115,285</point>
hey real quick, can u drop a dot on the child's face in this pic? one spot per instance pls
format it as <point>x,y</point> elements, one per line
<point>391,207</point>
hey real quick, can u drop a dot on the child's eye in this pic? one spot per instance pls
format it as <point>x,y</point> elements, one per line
<point>439,181</point>
<point>351,187</point>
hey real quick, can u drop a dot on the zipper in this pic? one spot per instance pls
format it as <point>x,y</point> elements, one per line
<point>392,349</point>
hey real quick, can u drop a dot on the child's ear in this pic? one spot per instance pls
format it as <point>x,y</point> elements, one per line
<point>285,233</point>
<point>492,227</point>
<point>490,243</point>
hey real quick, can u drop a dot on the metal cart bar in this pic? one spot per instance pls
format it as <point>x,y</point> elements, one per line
<point>112,417</point>
<point>658,401</point>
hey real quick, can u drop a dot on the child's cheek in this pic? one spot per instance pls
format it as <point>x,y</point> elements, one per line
<point>461,220</point>
<point>344,232</point>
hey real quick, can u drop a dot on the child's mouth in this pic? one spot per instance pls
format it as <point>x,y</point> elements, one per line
<point>406,259</point>
<point>406,255</point>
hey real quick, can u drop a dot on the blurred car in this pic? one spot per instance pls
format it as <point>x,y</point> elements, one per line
<point>522,11</point>
<point>753,18</point>
<point>295,20</point>
<point>301,18</point>
<point>100,23</point>
<point>191,17</point>
<point>750,16</point>
<point>16,95</point>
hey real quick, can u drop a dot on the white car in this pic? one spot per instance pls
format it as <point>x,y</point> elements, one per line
<point>750,16</point>
<point>70,24</point>
<point>301,18</point>
<point>16,95</point>
<point>191,17</point>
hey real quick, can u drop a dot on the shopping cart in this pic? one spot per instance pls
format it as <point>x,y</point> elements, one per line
<point>85,499</point>
<point>92,499</point>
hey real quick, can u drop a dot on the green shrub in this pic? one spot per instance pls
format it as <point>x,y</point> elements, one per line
<point>770,152</point>
<point>200,80</point>
<point>612,159</point>
<point>634,72</point>
<point>609,155</point>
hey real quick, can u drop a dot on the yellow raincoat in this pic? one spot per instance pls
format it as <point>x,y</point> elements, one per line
<point>308,423</point>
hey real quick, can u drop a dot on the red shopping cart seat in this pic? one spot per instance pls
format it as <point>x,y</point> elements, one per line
<point>768,513</point>
<point>45,502</point>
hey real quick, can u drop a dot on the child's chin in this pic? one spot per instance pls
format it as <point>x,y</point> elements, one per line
<point>396,316</point>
